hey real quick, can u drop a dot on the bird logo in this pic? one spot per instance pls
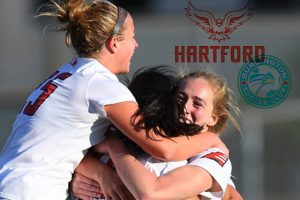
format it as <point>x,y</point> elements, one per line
<point>219,28</point>
<point>264,83</point>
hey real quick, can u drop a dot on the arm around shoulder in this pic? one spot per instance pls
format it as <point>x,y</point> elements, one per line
<point>181,183</point>
<point>178,148</point>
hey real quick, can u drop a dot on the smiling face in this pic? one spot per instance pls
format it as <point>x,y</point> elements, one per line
<point>126,45</point>
<point>196,94</point>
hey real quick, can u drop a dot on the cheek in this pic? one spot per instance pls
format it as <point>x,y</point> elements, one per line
<point>126,54</point>
<point>201,116</point>
<point>132,47</point>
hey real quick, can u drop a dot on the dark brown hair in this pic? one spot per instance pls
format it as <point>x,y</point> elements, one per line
<point>155,89</point>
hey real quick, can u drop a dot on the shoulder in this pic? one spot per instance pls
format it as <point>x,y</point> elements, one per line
<point>217,164</point>
<point>214,154</point>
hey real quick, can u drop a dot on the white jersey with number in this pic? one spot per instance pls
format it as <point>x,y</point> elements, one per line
<point>213,160</point>
<point>60,120</point>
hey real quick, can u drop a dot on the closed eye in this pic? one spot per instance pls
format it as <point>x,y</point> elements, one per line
<point>198,104</point>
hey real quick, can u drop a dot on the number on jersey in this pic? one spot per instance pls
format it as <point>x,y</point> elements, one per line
<point>48,89</point>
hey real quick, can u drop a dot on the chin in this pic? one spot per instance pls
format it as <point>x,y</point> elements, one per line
<point>127,69</point>
<point>123,70</point>
<point>122,73</point>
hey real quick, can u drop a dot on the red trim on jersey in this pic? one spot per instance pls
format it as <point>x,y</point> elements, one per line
<point>219,157</point>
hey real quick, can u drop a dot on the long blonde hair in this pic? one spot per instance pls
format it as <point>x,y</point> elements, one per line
<point>87,25</point>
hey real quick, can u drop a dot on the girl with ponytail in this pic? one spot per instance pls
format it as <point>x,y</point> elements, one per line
<point>72,109</point>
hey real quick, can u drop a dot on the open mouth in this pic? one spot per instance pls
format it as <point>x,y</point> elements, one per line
<point>188,121</point>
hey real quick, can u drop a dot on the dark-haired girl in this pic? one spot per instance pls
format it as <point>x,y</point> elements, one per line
<point>207,102</point>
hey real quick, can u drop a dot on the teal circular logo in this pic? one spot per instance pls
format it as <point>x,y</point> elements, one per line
<point>264,81</point>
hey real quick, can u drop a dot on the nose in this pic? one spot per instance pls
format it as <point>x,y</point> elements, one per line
<point>136,44</point>
<point>188,114</point>
<point>188,108</point>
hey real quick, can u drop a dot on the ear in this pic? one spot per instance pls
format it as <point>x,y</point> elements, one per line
<point>111,44</point>
<point>213,120</point>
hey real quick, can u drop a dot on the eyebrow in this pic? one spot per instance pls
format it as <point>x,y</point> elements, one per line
<point>194,97</point>
<point>199,99</point>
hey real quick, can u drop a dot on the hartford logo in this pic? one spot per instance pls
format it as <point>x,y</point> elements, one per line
<point>218,28</point>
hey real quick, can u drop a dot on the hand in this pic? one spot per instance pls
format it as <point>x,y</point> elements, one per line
<point>232,194</point>
<point>111,143</point>
<point>84,188</point>
<point>112,187</point>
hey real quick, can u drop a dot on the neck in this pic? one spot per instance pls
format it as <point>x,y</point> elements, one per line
<point>205,128</point>
<point>107,60</point>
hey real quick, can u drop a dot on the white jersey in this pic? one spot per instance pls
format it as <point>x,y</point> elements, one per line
<point>60,120</point>
<point>213,160</point>
<point>218,165</point>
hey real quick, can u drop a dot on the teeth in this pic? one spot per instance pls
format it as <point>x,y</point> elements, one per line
<point>188,121</point>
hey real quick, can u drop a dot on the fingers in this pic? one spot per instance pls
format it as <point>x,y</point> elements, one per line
<point>77,177</point>
<point>112,186</point>
<point>84,195</point>
<point>84,188</point>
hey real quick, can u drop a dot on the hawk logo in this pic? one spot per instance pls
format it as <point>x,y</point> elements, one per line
<point>219,157</point>
<point>219,28</point>
<point>264,81</point>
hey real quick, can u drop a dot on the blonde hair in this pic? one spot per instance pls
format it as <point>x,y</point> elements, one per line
<point>87,25</point>
<point>224,105</point>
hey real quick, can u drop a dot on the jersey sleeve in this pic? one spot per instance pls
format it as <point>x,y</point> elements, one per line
<point>217,164</point>
<point>103,90</point>
<point>230,182</point>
